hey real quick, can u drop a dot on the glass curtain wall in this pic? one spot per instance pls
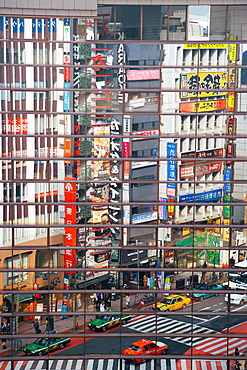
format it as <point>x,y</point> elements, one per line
<point>123,189</point>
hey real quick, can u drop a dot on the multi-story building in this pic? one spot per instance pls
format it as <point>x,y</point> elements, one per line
<point>123,154</point>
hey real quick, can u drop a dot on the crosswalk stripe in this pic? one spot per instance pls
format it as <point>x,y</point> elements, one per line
<point>110,364</point>
<point>8,367</point>
<point>225,348</point>
<point>59,364</point>
<point>18,365</point>
<point>39,365</point>
<point>29,365</point>
<point>79,364</point>
<point>69,365</point>
<point>90,365</point>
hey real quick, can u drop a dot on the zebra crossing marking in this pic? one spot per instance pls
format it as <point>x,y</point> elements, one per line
<point>110,364</point>
<point>166,325</point>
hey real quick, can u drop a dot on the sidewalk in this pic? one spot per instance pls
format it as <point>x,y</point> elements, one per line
<point>65,326</point>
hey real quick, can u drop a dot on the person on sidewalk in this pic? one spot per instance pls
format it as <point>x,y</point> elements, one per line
<point>127,300</point>
<point>102,307</point>
<point>237,352</point>
<point>36,326</point>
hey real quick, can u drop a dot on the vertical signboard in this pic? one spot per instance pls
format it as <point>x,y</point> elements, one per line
<point>69,220</point>
<point>171,169</point>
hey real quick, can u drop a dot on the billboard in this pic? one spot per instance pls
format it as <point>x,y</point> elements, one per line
<point>203,81</point>
<point>145,74</point>
<point>202,106</point>
<point>201,197</point>
<point>198,169</point>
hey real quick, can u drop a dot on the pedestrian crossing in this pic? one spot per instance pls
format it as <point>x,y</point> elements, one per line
<point>113,364</point>
<point>155,324</point>
<point>222,346</point>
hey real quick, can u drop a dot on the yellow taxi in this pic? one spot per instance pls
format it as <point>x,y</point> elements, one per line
<point>172,303</point>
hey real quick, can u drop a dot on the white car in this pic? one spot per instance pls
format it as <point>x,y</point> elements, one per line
<point>236,298</point>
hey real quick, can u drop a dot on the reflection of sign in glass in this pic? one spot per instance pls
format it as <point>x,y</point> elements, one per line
<point>205,81</point>
<point>199,169</point>
<point>171,165</point>
<point>202,197</point>
<point>203,106</point>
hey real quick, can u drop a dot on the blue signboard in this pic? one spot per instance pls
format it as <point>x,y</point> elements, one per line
<point>227,177</point>
<point>66,97</point>
<point>171,165</point>
<point>202,197</point>
<point>144,217</point>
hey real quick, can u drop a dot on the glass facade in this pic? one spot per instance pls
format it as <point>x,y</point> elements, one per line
<point>123,189</point>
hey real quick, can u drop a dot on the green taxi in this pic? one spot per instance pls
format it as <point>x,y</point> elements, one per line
<point>44,345</point>
<point>104,322</point>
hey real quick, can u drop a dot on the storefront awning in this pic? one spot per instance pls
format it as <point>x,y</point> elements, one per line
<point>20,298</point>
<point>92,281</point>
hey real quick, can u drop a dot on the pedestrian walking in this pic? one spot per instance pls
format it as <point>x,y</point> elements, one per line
<point>127,300</point>
<point>36,326</point>
<point>237,352</point>
<point>102,307</point>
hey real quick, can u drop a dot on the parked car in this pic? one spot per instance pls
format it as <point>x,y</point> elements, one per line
<point>208,291</point>
<point>144,347</point>
<point>172,303</point>
<point>44,345</point>
<point>104,322</point>
<point>237,298</point>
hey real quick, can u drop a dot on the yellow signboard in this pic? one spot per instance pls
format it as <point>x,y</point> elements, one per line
<point>205,46</point>
<point>204,81</point>
<point>231,101</point>
<point>233,50</point>
<point>226,231</point>
<point>203,106</point>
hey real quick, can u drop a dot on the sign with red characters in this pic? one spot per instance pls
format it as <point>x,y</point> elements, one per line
<point>70,219</point>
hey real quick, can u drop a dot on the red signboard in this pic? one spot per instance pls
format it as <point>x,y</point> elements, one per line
<point>70,219</point>
<point>199,169</point>
<point>126,149</point>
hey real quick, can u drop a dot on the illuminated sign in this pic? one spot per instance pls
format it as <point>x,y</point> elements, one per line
<point>144,74</point>
<point>202,197</point>
<point>203,106</point>
<point>199,169</point>
<point>145,133</point>
<point>204,81</point>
